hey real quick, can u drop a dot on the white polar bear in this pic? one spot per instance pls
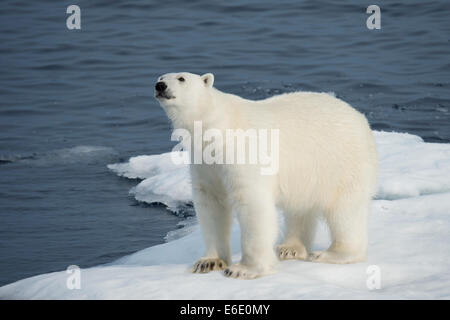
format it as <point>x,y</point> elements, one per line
<point>327,168</point>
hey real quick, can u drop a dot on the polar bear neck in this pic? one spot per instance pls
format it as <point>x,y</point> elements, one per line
<point>219,110</point>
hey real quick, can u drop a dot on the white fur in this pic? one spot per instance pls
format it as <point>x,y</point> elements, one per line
<point>328,168</point>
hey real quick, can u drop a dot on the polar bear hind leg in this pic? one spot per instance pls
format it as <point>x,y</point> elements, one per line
<point>348,230</point>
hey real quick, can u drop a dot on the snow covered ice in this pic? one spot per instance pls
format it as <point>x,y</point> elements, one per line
<point>409,241</point>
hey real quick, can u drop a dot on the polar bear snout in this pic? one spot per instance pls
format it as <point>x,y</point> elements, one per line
<point>162,92</point>
<point>160,86</point>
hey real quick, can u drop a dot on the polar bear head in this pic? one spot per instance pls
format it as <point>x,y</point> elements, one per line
<point>184,96</point>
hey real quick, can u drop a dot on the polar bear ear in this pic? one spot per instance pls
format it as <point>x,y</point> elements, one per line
<point>208,79</point>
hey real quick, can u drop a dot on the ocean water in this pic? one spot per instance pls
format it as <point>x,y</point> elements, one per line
<point>73,101</point>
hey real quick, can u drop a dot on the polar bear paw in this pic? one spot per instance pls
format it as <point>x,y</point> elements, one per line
<point>288,252</point>
<point>206,265</point>
<point>240,271</point>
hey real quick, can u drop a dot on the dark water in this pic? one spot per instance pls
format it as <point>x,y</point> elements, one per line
<point>63,89</point>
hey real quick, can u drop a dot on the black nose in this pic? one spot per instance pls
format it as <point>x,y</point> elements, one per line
<point>160,86</point>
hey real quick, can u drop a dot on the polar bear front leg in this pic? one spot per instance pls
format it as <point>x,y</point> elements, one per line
<point>215,219</point>
<point>259,227</point>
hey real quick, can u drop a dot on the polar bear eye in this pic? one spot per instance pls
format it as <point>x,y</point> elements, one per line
<point>181,79</point>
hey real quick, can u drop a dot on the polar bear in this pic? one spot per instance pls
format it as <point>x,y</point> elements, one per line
<point>327,169</point>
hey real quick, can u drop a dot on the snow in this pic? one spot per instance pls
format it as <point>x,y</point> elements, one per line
<point>164,182</point>
<point>409,241</point>
<point>410,168</point>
